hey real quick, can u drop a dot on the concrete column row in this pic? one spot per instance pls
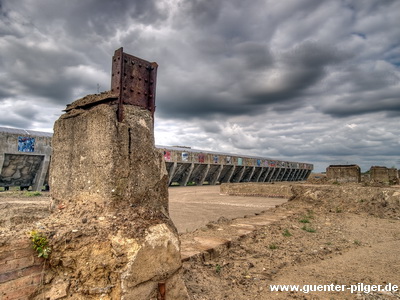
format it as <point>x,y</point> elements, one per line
<point>198,173</point>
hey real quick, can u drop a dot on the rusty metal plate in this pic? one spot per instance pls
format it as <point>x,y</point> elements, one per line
<point>133,80</point>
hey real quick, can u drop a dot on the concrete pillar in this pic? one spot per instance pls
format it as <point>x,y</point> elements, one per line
<point>172,173</point>
<point>298,176</point>
<point>302,174</point>
<point>287,174</point>
<point>251,173</point>
<point>1,162</point>
<point>295,175</point>
<point>215,177</point>
<point>259,175</point>
<point>264,178</point>
<point>275,176</point>
<point>185,177</point>
<point>203,175</point>
<point>41,174</point>
<point>230,174</point>
<point>241,174</point>
<point>112,185</point>
<point>290,175</point>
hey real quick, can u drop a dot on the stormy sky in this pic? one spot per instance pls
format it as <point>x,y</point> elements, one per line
<point>301,80</point>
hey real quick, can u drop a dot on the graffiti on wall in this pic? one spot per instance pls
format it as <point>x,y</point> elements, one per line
<point>26,144</point>
<point>167,155</point>
<point>201,158</point>
<point>185,156</point>
<point>215,159</point>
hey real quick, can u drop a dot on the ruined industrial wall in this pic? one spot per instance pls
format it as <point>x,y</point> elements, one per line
<point>344,173</point>
<point>24,157</point>
<point>384,175</point>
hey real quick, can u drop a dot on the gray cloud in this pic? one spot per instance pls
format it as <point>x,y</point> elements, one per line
<point>298,80</point>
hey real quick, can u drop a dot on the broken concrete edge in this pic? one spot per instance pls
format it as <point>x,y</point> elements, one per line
<point>91,100</point>
<point>204,248</point>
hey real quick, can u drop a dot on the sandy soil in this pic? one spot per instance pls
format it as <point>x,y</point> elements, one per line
<point>341,242</point>
<point>341,235</point>
<point>195,206</point>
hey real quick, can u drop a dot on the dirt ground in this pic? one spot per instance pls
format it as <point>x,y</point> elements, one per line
<point>340,235</point>
<point>193,207</point>
<point>335,235</point>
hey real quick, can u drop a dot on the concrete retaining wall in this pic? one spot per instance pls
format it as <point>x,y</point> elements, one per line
<point>257,189</point>
<point>24,157</point>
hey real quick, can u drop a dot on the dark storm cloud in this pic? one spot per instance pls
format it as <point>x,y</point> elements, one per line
<point>299,69</point>
<point>295,78</point>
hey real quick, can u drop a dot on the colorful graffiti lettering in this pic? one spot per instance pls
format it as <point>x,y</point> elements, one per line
<point>26,144</point>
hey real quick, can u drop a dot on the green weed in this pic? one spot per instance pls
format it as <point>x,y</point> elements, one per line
<point>287,233</point>
<point>308,229</point>
<point>40,243</point>
<point>273,246</point>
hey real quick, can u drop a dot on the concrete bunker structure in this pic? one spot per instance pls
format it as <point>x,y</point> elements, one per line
<point>380,174</point>
<point>344,173</point>
<point>24,158</point>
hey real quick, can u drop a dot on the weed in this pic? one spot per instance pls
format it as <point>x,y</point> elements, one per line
<point>218,268</point>
<point>273,246</point>
<point>33,194</point>
<point>308,229</point>
<point>357,242</point>
<point>287,233</point>
<point>304,220</point>
<point>40,243</point>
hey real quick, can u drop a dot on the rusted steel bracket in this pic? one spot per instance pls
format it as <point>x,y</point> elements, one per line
<point>161,291</point>
<point>133,81</point>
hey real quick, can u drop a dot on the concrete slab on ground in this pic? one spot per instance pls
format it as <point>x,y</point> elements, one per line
<point>194,206</point>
